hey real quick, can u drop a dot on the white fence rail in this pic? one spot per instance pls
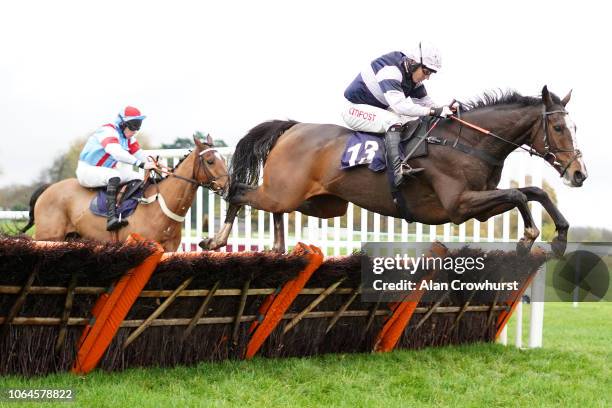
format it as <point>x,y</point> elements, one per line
<point>253,229</point>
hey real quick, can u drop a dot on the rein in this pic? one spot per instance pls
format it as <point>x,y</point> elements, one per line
<point>549,154</point>
<point>210,184</point>
<point>162,169</point>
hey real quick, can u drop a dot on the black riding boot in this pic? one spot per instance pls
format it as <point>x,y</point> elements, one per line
<point>113,223</point>
<point>392,141</point>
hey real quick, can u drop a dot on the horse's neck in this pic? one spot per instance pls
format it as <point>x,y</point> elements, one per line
<point>513,125</point>
<point>178,193</point>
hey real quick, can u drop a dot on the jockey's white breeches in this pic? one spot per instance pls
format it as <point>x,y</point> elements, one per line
<point>96,176</point>
<point>367,118</point>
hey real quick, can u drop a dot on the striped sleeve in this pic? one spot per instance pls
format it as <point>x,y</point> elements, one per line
<point>390,81</point>
<point>133,146</point>
<point>106,135</point>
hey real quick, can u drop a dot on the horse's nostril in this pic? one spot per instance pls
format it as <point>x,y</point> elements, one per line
<point>579,177</point>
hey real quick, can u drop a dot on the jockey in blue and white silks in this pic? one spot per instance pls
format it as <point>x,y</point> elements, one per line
<point>109,145</point>
<point>388,93</point>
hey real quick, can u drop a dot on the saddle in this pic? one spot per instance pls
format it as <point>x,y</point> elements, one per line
<point>365,148</point>
<point>128,197</point>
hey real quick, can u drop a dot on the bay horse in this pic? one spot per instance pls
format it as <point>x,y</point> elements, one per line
<point>301,169</point>
<point>61,210</point>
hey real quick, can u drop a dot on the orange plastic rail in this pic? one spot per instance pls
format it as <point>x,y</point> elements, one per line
<point>394,327</point>
<point>285,298</point>
<point>112,310</point>
<point>505,315</point>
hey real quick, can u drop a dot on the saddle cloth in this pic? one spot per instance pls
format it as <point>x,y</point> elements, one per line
<point>127,202</point>
<point>364,148</point>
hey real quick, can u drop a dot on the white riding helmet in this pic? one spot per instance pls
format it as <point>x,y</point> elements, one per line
<point>426,54</point>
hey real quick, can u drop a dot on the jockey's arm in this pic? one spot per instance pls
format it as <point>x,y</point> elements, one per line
<point>121,155</point>
<point>426,101</point>
<point>139,154</point>
<point>389,79</point>
<point>402,105</point>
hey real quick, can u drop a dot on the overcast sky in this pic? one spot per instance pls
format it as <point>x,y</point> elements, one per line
<point>225,66</point>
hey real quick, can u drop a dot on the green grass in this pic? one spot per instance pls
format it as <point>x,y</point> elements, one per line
<point>573,369</point>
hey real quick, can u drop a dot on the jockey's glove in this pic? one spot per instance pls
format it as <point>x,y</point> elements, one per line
<point>147,165</point>
<point>441,112</point>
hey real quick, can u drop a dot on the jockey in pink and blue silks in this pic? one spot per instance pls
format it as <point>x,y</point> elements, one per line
<point>109,145</point>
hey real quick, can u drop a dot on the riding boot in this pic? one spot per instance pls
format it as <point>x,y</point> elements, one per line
<point>113,223</point>
<point>392,141</point>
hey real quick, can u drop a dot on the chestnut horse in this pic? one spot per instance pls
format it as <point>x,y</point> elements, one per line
<point>301,169</point>
<point>61,209</point>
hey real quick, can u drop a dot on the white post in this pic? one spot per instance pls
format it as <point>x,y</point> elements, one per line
<point>261,230</point>
<point>404,231</point>
<point>313,228</point>
<point>199,216</point>
<point>363,225</point>
<point>324,243</point>
<point>432,233</point>
<point>298,226</point>
<point>376,227</point>
<point>248,235</point>
<point>503,336</point>
<point>390,229</point>
<point>349,229</point>
<point>187,239</point>
<point>536,325</point>
<point>462,232</point>
<point>336,236</point>
<point>211,214</point>
<point>518,313</point>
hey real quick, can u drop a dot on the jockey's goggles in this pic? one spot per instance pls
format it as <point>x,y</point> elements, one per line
<point>134,124</point>
<point>427,71</point>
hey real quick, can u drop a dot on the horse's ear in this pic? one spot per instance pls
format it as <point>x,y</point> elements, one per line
<point>209,140</point>
<point>546,98</point>
<point>565,100</point>
<point>197,141</point>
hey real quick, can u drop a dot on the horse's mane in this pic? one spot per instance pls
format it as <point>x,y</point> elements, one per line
<point>500,97</point>
<point>181,160</point>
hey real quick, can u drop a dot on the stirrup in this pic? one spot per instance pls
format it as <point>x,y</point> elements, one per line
<point>410,171</point>
<point>115,224</point>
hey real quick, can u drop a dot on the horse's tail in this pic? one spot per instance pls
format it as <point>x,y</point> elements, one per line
<point>252,151</point>
<point>33,199</point>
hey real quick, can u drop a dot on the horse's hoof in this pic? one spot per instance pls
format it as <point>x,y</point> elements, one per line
<point>207,244</point>
<point>558,247</point>
<point>523,247</point>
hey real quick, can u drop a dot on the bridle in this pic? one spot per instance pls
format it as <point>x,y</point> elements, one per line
<point>200,163</point>
<point>212,183</point>
<point>549,152</point>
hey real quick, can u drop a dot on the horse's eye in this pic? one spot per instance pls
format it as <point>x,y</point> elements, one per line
<point>557,128</point>
<point>210,161</point>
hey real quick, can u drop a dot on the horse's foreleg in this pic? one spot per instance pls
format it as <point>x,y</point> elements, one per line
<point>559,243</point>
<point>485,204</point>
<point>279,233</point>
<point>220,238</point>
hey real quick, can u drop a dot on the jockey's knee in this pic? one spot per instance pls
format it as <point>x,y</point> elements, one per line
<point>94,176</point>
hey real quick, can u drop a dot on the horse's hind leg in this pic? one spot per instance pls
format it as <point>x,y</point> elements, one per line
<point>50,227</point>
<point>277,196</point>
